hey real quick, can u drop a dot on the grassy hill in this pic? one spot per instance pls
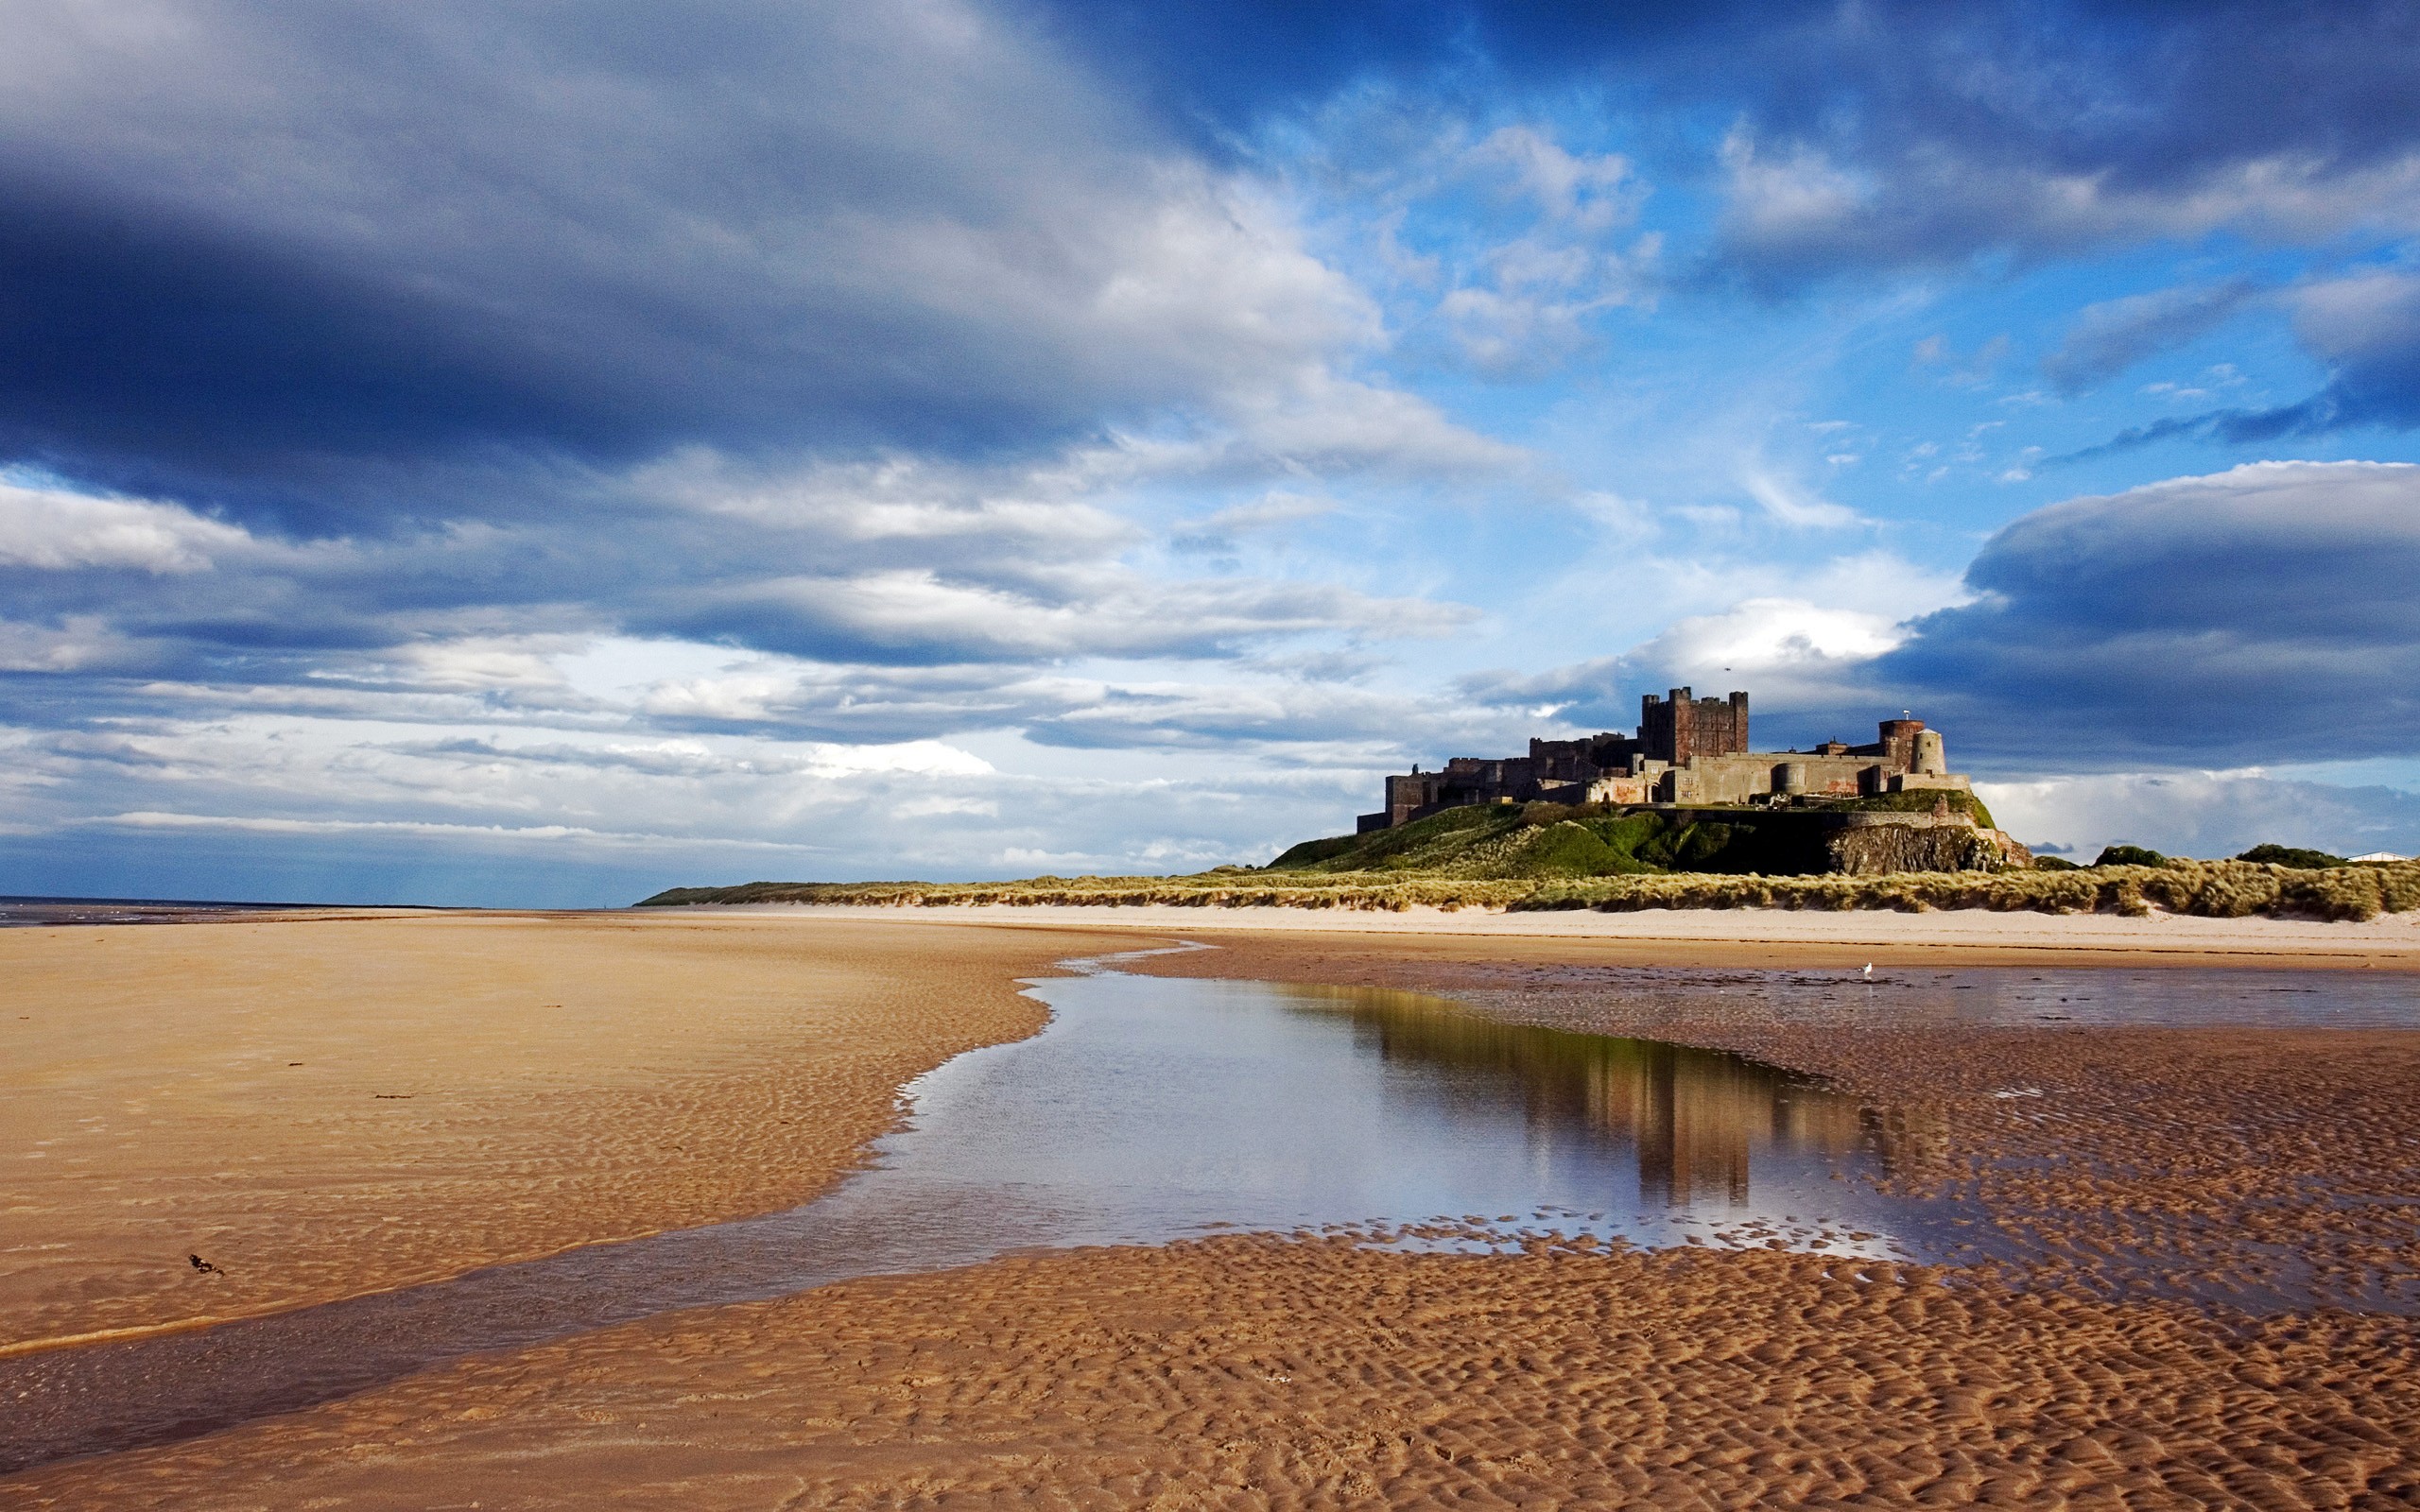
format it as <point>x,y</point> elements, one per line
<point>1543,840</point>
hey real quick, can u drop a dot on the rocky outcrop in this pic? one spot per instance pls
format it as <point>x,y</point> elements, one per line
<point>1916,842</point>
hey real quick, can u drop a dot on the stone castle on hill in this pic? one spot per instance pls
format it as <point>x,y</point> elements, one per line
<point>1687,750</point>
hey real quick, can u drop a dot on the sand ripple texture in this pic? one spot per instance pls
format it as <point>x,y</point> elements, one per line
<point>1261,1373</point>
<point>332,1106</point>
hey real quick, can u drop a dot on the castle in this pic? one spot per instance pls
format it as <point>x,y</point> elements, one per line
<point>1687,750</point>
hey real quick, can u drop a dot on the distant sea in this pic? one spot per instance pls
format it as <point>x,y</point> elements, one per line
<point>18,912</point>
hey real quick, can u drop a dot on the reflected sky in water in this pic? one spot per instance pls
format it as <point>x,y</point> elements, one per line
<point>1159,1107</point>
<point>1696,1124</point>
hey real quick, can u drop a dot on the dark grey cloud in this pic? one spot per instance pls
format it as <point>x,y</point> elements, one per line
<point>2259,615</point>
<point>244,255</point>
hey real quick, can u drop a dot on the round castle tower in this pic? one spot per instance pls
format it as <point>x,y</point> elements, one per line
<point>1929,758</point>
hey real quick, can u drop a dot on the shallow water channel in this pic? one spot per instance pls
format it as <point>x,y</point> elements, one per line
<point>1149,1109</point>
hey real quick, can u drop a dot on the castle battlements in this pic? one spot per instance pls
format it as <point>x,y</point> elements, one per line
<point>1686,750</point>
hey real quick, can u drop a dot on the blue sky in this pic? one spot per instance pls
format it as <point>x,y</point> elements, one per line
<point>536,454</point>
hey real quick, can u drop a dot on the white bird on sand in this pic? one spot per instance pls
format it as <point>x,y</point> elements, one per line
<point>1869,969</point>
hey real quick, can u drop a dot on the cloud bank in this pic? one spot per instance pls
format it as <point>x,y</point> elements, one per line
<point>2222,621</point>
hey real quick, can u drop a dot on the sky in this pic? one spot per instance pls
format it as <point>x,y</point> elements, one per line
<point>517,453</point>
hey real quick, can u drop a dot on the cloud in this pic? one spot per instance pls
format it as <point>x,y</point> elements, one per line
<point>1806,655</point>
<point>1793,505</point>
<point>2204,813</point>
<point>1523,303</point>
<point>1888,136</point>
<point>2365,328</point>
<point>818,700</point>
<point>57,530</point>
<point>1590,191</point>
<point>919,618</point>
<point>2111,337</point>
<point>551,836</point>
<point>1873,137</point>
<point>1297,718</point>
<point>1218,532</point>
<point>249,259</point>
<point>1788,651</point>
<point>271,805</point>
<point>2204,621</point>
<point>372,365</point>
<point>1495,249</point>
<point>907,561</point>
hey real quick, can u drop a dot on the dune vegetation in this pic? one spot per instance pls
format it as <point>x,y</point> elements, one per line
<point>1552,856</point>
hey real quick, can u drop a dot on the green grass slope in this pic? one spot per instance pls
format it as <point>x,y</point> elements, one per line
<point>1543,840</point>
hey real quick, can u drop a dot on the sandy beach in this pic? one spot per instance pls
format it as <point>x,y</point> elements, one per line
<point>327,1106</point>
<point>1273,1371</point>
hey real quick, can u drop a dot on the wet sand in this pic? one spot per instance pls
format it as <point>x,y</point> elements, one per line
<point>1261,1374</point>
<point>468,1089</point>
<point>1255,1372</point>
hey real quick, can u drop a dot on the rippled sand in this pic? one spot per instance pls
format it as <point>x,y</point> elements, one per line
<point>1253,1373</point>
<point>468,1089</point>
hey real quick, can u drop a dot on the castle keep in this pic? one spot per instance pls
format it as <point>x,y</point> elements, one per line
<point>1687,750</point>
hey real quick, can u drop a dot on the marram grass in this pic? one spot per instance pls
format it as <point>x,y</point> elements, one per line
<point>2215,889</point>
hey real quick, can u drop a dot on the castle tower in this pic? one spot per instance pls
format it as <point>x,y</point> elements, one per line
<point>1686,726</point>
<point>1898,744</point>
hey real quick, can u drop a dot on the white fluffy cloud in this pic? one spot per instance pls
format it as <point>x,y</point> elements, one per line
<point>2203,814</point>
<point>1803,643</point>
<point>59,530</point>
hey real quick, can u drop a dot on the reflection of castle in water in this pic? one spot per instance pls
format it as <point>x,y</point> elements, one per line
<point>1694,1116</point>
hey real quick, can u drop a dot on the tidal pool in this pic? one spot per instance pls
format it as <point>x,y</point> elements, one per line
<point>1156,1107</point>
